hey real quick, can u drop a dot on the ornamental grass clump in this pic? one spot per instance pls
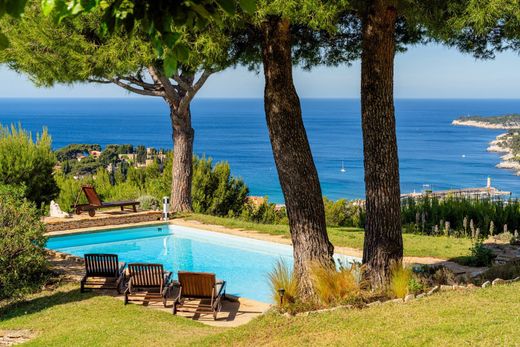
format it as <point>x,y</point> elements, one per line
<point>399,280</point>
<point>337,286</point>
<point>283,280</point>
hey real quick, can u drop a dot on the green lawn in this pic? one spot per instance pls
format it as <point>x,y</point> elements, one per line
<point>69,318</point>
<point>414,245</point>
<point>478,317</point>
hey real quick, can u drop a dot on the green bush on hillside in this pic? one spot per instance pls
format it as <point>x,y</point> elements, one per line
<point>23,266</point>
<point>214,191</point>
<point>28,163</point>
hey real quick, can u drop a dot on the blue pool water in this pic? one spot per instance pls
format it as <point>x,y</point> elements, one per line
<point>242,262</point>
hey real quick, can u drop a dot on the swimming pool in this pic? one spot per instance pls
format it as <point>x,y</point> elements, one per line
<point>243,262</point>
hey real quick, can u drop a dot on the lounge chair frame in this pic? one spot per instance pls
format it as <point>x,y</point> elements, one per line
<point>95,202</point>
<point>199,285</point>
<point>102,271</point>
<point>148,282</point>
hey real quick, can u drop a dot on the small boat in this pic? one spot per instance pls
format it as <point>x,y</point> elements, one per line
<point>342,167</point>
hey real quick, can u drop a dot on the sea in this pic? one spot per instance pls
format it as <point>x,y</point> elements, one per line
<point>433,154</point>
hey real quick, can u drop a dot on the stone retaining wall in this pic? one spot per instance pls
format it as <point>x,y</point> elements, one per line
<point>103,220</point>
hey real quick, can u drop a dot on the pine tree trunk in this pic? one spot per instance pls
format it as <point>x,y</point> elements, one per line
<point>383,243</point>
<point>182,169</point>
<point>293,157</point>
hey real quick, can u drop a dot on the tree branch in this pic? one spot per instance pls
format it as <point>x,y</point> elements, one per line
<point>160,79</point>
<point>129,87</point>
<point>192,91</point>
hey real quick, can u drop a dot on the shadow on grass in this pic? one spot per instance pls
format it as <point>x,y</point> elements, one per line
<point>37,304</point>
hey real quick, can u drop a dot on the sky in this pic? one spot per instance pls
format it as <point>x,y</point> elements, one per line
<point>431,71</point>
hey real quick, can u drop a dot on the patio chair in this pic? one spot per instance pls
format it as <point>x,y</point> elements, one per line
<point>148,282</point>
<point>102,271</point>
<point>199,285</point>
<point>95,202</point>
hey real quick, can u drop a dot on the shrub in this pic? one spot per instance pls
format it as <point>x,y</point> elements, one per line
<point>265,213</point>
<point>506,271</point>
<point>464,215</point>
<point>28,163</point>
<point>335,286</point>
<point>480,256</point>
<point>399,280</point>
<point>283,278</point>
<point>215,191</point>
<point>23,266</point>
<point>342,213</point>
<point>148,202</point>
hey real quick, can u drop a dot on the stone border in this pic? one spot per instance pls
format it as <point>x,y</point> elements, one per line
<point>102,221</point>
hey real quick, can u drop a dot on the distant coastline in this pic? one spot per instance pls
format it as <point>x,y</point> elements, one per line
<point>504,143</point>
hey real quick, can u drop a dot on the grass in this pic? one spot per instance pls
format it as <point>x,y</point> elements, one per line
<point>67,318</point>
<point>480,317</point>
<point>414,245</point>
<point>477,317</point>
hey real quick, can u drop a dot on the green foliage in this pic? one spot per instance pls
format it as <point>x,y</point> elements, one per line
<point>164,22</point>
<point>28,163</point>
<point>148,202</point>
<point>480,255</point>
<point>71,151</point>
<point>264,213</point>
<point>283,278</point>
<point>429,215</point>
<point>23,265</point>
<point>215,191</point>
<point>336,286</point>
<point>343,213</point>
<point>507,271</point>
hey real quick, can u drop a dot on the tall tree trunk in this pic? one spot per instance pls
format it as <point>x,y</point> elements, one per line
<point>383,243</point>
<point>182,168</point>
<point>292,155</point>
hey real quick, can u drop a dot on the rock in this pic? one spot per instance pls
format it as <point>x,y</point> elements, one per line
<point>375,303</point>
<point>420,296</point>
<point>288,315</point>
<point>446,288</point>
<point>433,290</point>
<point>498,281</point>
<point>301,314</point>
<point>55,211</point>
<point>486,284</point>
<point>397,301</point>
<point>409,297</point>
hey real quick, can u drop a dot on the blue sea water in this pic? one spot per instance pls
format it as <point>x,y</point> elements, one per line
<point>431,150</point>
<point>243,263</point>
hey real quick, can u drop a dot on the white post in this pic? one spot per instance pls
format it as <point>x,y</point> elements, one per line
<point>488,182</point>
<point>166,207</point>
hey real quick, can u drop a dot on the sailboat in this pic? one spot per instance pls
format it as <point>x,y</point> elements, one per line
<point>342,167</point>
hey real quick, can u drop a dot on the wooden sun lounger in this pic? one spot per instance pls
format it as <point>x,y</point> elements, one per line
<point>94,203</point>
<point>102,271</point>
<point>199,285</point>
<point>148,282</point>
